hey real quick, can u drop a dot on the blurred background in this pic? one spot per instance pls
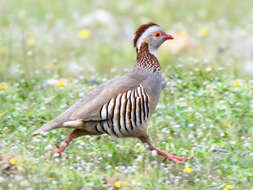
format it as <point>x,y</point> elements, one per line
<point>80,38</point>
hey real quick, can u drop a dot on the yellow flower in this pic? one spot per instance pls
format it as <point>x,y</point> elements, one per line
<point>226,124</point>
<point>90,87</point>
<point>84,34</point>
<point>3,87</point>
<point>228,187</point>
<point>3,51</point>
<point>237,84</point>
<point>61,84</point>
<point>117,184</point>
<point>188,170</point>
<point>203,32</point>
<point>30,41</point>
<point>12,161</point>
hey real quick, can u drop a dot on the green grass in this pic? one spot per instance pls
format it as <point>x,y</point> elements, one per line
<point>205,109</point>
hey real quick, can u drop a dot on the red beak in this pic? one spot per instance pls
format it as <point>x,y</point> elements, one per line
<point>168,37</point>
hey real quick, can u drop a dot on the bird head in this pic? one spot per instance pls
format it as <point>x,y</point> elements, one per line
<point>152,35</point>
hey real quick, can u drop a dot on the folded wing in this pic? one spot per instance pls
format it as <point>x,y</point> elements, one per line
<point>89,107</point>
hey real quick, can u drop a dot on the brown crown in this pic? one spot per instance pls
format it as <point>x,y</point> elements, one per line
<point>142,28</point>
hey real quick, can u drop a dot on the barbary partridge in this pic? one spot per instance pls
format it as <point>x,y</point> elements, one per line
<point>122,106</point>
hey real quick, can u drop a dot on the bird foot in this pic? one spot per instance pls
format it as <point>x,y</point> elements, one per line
<point>175,159</point>
<point>59,150</point>
<point>171,157</point>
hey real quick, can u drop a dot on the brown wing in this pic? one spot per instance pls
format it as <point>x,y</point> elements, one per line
<point>88,108</point>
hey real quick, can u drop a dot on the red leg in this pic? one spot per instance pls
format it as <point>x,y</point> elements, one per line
<point>75,133</point>
<point>165,155</point>
<point>168,156</point>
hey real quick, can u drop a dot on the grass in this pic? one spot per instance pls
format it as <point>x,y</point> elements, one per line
<point>205,109</point>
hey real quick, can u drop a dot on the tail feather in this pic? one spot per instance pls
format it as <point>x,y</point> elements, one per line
<point>60,121</point>
<point>48,126</point>
<point>74,124</point>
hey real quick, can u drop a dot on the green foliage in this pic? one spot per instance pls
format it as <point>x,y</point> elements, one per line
<point>200,114</point>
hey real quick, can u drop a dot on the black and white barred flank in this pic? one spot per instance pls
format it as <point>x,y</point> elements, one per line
<point>124,113</point>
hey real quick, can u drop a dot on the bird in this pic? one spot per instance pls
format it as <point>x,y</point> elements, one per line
<point>122,106</point>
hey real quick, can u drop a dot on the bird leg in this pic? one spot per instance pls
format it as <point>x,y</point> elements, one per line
<point>165,155</point>
<point>75,133</point>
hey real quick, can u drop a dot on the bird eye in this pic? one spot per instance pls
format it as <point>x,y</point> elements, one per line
<point>157,34</point>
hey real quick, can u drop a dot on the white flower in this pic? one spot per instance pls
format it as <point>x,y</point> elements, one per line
<point>48,147</point>
<point>154,153</point>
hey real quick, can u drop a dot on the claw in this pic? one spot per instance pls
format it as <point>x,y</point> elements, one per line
<point>59,150</point>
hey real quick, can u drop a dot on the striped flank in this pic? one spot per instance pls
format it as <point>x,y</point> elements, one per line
<point>124,113</point>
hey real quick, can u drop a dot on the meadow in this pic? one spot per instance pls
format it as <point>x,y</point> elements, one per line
<point>53,52</point>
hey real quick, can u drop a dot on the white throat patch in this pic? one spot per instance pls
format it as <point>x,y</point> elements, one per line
<point>153,51</point>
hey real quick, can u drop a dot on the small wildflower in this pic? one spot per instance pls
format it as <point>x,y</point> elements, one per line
<point>90,87</point>
<point>228,187</point>
<point>3,87</point>
<point>30,53</point>
<point>226,124</point>
<point>237,84</point>
<point>12,161</point>
<point>3,51</point>
<point>188,170</point>
<point>84,34</point>
<point>154,153</point>
<point>117,184</point>
<point>203,32</point>
<point>61,84</point>
<point>208,69</point>
<point>30,41</point>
